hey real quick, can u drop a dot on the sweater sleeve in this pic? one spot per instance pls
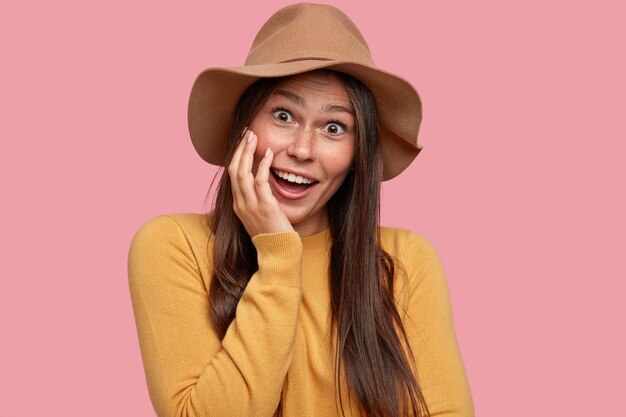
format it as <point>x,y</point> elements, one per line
<point>189,371</point>
<point>430,329</point>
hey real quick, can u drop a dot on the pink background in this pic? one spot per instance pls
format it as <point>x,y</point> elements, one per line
<point>520,186</point>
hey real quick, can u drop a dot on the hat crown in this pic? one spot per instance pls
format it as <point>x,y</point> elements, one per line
<point>308,31</point>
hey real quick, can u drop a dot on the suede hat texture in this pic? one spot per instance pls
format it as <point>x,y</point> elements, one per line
<point>296,39</point>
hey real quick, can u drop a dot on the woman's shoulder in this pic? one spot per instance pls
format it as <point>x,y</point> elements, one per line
<point>400,241</point>
<point>413,250</point>
<point>191,225</point>
<point>169,246</point>
<point>172,233</point>
<point>416,259</point>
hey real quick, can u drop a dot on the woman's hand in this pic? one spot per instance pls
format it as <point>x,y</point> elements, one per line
<point>253,201</point>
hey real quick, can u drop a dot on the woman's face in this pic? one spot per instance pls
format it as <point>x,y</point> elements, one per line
<point>309,123</point>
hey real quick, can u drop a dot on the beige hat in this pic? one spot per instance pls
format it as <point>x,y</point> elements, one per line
<point>296,39</point>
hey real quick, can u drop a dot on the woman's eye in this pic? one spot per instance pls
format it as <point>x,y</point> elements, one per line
<point>334,129</point>
<point>283,115</point>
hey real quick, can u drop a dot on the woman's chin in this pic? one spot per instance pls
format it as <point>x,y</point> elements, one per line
<point>311,222</point>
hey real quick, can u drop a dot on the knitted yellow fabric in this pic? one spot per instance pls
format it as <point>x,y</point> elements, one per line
<point>279,344</point>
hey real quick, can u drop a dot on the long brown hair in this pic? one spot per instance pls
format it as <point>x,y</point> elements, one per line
<point>367,329</point>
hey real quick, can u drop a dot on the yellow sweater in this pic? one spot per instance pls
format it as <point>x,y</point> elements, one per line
<point>279,343</point>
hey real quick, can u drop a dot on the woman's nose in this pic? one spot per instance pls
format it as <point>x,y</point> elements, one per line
<point>301,146</point>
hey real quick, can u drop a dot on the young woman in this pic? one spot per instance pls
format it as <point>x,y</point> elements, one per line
<point>288,298</point>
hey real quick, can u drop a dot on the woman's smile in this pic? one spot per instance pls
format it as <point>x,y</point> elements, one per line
<point>309,124</point>
<point>290,185</point>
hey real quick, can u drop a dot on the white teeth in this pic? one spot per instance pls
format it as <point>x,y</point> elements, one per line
<point>298,179</point>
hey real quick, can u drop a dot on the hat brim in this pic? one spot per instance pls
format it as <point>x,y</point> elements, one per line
<point>216,91</point>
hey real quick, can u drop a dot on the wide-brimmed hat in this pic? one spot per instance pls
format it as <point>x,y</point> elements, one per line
<point>299,38</point>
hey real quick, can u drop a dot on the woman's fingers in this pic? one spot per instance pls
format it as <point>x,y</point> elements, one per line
<point>244,174</point>
<point>253,201</point>
<point>275,219</point>
<point>233,170</point>
<point>261,181</point>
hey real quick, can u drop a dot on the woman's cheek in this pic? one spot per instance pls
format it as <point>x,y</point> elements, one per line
<point>340,158</point>
<point>263,143</point>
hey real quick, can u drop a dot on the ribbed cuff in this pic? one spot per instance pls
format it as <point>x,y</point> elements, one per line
<point>280,258</point>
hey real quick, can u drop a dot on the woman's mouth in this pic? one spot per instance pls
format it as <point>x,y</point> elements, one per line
<point>290,185</point>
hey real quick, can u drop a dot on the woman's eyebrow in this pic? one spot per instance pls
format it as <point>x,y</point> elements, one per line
<point>329,108</point>
<point>334,108</point>
<point>291,97</point>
